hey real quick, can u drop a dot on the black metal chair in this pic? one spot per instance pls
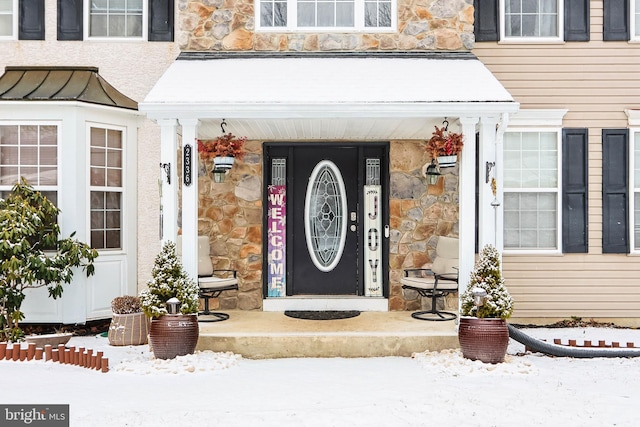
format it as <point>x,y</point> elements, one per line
<point>436,282</point>
<point>211,282</point>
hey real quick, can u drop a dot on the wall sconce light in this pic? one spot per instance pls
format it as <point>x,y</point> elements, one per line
<point>432,173</point>
<point>219,174</point>
<point>166,167</point>
<point>488,167</point>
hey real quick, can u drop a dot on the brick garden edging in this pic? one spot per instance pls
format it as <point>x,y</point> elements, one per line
<point>61,354</point>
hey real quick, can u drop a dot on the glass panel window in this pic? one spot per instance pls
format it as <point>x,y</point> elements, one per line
<point>635,194</point>
<point>635,19</point>
<point>531,190</point>
<point>8,18</point>
<point>29,151</point>
<point>106,172</point>
<point>116,18</point>
<point>325,216</point>
<point>326,14</point>
<point>532,18</point>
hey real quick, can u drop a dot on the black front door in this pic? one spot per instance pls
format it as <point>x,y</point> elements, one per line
<point>324,221</point>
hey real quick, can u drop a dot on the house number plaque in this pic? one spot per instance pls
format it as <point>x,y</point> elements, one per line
<point>187,168</point>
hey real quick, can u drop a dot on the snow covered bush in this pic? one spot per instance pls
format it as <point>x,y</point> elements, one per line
<point>33,254</point>
<point>169,280</point>
<point>486,275</point>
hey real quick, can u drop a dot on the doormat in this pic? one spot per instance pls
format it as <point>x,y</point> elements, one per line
<point>322,315</point>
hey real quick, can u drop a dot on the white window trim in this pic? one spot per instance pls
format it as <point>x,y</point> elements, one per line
<point>632,25</point>
<point>633,134</point>
<point>292,10</point>
<point>533,40</point>
<point>145,25</point>
<point>14,20</point>
<point>122,189</point>
<point>558,189</point>
<point>634,130</point>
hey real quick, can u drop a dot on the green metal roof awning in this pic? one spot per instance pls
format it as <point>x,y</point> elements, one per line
<point>82,84</point>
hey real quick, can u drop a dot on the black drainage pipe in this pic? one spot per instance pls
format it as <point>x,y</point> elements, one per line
<point>564,351</point>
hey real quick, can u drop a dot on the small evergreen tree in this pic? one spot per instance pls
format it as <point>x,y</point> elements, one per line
<point>169,280</point>
<point>31,256</point>
<point>487,275</point>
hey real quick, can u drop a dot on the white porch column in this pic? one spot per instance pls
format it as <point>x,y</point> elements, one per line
<point>190,197</point>
<point>169,179</point>
<point>487,162</point>
<point>467,193</point>
<point>499,174</point>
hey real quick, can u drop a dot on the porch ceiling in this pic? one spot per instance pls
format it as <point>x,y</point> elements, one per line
<point>313,96</point>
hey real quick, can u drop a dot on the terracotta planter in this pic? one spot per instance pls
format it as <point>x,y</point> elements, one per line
<point>483,339</point>
<point>173,335</point>
<point>128,329</point>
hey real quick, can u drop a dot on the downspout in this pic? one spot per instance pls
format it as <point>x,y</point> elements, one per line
<point>498,175</point>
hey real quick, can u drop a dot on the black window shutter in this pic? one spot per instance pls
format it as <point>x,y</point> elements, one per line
<point>575,176</point>
<point>616,20</point>
<point>615,194</point>
<point>486,14</point>
<point>161,20</point>
<point>576,20</point>
<point>31,20</point>
<point>70,20</point>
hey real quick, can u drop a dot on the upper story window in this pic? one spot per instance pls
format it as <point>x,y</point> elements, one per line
<point>532,19</point>
<point>117,18</point>
<point>8,19</point>
<point>325,15</point>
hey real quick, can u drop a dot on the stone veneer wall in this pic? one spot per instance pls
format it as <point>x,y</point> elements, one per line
<point>418,215</point>
<point>231,214</point>
<point>229,25</point>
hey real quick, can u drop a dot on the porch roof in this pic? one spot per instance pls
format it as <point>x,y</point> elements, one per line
<point>388,94</point>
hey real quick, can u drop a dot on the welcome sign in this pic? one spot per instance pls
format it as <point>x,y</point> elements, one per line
<point>276,235</point>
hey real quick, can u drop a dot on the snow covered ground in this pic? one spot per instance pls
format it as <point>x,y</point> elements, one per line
<point>216,389</point>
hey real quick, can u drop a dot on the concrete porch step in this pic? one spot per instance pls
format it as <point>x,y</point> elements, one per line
<point>271,335</point>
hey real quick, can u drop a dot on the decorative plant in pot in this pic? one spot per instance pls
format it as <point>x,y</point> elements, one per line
<point>223,151</point>
<point>129,324</point>
<point>485,306</point>
<point>445,146</point>
<point>171,301</point>
<point>32,254</point>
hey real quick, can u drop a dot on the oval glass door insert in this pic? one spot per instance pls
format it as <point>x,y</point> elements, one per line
<point>325,222</point>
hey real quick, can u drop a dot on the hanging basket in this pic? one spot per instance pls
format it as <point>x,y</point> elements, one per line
<point>447,161</point>
<point>223,163</point>
<point>485,340</point>
<point>174,335</point>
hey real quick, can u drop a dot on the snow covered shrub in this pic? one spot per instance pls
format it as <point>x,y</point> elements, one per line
<point>169,280</point>
<point>487,275</point>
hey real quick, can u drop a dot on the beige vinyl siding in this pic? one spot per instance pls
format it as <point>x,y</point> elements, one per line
<point>596,81</point>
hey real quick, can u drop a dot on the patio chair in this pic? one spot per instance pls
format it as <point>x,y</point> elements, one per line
<point>435,282</point>
<point>211,282</point>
